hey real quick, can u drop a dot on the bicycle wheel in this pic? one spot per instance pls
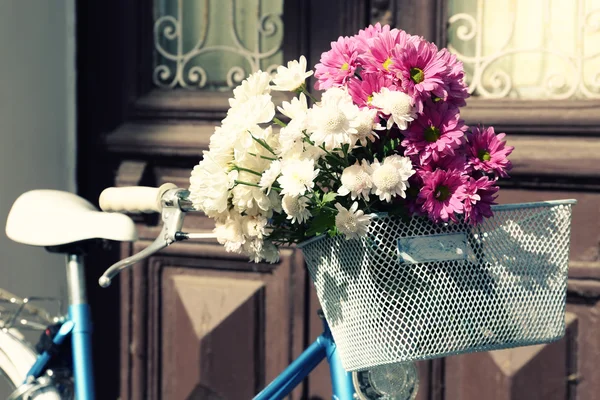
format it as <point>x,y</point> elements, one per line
<point>16,358</point>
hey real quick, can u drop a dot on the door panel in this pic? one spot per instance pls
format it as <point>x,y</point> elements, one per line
<point>211,321</point>
<point>212,332</point>
<point>539,372</point>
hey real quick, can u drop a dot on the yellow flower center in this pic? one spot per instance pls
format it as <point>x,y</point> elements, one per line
<point>432,134</point>
<point>386,64</point>
<point>442,193</point>
<point>369,99</point>
<point>417,75</point>
<point>345,67</point>
<point>484,155</point>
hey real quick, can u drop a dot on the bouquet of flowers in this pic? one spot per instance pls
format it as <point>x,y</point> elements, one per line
<point>385,137</point>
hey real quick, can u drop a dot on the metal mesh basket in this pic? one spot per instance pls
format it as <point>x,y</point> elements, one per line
<point>417,290</point>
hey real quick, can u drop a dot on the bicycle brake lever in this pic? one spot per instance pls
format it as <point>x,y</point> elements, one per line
<point>172,222</point>
<point>158,244</point>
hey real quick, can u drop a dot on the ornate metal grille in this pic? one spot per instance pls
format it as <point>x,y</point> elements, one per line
<point>528,49</point>
<point>215,44</point>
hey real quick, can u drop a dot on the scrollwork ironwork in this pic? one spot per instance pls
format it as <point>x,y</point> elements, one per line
<point>174,68</point>
<point>487,78</point>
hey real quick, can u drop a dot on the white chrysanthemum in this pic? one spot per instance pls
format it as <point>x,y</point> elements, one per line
<point>297,108</point>
<point>356,180</point>
<point>254,226</point>
<point>247,198</point>
<point>270,176</point>
<point>403,166</point>
<point>292,77</point>
<point>258,250</point>
<point>312,152</point>
<point>365,126</point>
<point>390,178</point>
<point>398,105</point>
<point>256,110</point>
<point>297,176</point>
<point>353,223</point>
<point>275,200</point>
<point>270,252</point>
<point>230,233</point>
<point>255,85</point>
<point>250,154</point>
<point>253,248</point>
<point>221,147</point>
<point>291,139</point>
<point>336,95</point>
<point>295,208</point>
<point>210,186</point>
<point>333,121</point>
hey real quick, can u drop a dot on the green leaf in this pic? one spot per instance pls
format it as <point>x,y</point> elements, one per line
<point>345,148</point>
<point>279,122</point>
<point>334,161</point>
<point>323,222</point>
<point>329,197</point>
<point>263,143</point>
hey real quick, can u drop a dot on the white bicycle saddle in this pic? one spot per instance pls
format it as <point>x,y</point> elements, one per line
<point>53,218</point>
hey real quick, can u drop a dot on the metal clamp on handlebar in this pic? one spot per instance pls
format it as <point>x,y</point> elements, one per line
<point>174,204</point>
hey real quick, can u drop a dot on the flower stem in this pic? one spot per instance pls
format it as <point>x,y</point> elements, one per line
<point>263,143</point>
<point>263,157</point>
<point>302,89</point>
<point>368,206</point>
<point>279,122</point>
<point>246,183</point>
<point>247,170</point>
<point>322,146</point>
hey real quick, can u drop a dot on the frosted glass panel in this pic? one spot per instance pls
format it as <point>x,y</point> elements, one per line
<point>215,44</point>
<point>528,49</point>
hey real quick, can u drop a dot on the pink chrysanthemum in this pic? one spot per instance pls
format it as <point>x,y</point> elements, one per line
<point>442,195</point>
<point>378,58</point>
<point>454,82</point>
<point>366,36</point>
<point>487,152</point>
<point>455,162</point>
<point>479,198</point>
<point>438,131</point>
<point>362,90</point>
<point>338,64</point>
<point>421,68</point>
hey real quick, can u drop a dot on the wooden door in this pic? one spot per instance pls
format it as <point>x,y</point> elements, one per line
<point>555,158</point>
<point>195,320</point>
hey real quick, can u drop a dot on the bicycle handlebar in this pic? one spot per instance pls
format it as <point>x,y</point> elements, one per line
<point>169,200</point>
<point>133,199</point>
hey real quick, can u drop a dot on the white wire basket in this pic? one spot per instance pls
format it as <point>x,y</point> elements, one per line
<point>414,290</point>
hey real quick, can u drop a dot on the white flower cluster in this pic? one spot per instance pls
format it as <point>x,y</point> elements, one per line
<point>385,180</point>
<point>258,168</point>
<point>225,185</point>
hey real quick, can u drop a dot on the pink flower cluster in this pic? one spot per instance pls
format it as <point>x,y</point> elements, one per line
<point>457,166</point>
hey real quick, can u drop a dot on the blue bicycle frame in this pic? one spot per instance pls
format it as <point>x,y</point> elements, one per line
<point>79,326</point>
<point>323,347</point>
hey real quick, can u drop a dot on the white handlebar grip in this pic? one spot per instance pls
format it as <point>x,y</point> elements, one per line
<point>132,199</point>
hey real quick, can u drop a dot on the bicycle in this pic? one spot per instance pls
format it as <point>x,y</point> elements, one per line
<point>84,223</point>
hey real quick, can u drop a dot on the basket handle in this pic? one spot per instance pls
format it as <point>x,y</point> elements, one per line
<point>432,248</point>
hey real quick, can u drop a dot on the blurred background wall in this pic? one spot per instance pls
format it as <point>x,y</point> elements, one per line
<point>37,128</point>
